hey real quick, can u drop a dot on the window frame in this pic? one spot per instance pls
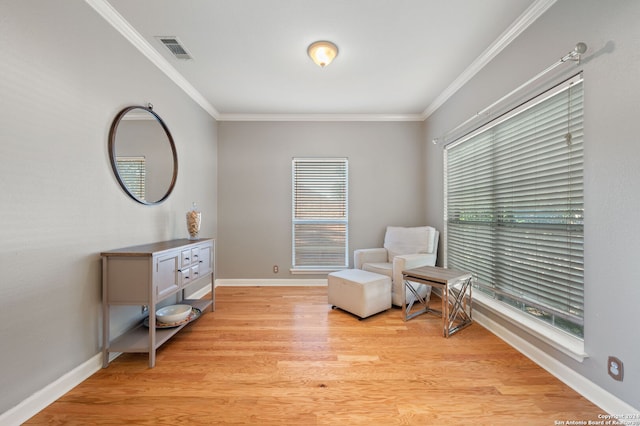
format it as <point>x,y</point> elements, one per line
<point>332,216</point>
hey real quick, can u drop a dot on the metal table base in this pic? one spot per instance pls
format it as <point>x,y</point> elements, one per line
<point>456,291</point>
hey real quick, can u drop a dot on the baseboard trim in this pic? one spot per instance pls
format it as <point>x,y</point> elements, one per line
<point>608,402</point>
<point>50,393</point>
<point>271,282</point>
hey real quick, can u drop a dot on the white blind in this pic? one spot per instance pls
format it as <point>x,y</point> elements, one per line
<point>320,213</point>
<point>514,207</point>
<point>132,172</point>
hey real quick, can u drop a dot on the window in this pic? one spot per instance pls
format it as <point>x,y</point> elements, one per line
<point>132,171</point>
<point>514,207</point>
<point>320,214</point>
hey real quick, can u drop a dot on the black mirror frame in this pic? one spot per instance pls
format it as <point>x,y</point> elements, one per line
<point>112,153</point>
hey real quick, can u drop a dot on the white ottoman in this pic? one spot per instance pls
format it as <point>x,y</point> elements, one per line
<point>362,293</point>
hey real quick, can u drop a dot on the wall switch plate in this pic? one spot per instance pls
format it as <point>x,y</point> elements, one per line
<point>615,368</point>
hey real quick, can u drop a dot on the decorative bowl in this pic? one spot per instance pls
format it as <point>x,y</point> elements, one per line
<point>173,313</point>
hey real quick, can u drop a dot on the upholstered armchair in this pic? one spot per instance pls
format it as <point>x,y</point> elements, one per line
<point>404,248</point>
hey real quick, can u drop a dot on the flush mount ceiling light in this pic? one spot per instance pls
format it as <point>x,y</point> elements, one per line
<point>322,52</point>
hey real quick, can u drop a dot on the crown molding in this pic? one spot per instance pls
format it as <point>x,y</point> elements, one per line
<point>523,22</point>
<point>320,117</point>
<point>116,20</point>
<point>121,25</point>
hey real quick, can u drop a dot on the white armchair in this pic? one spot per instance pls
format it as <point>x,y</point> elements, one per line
<point>404,248</point>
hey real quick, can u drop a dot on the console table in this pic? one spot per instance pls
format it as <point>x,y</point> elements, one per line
<point>145,275</point>
<point>455,286</point>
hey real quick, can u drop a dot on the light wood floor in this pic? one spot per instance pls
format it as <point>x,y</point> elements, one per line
<point>282,356</point>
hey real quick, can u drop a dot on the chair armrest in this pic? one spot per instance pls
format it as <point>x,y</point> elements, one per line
<point>410,261</point>
<point>372,255</point>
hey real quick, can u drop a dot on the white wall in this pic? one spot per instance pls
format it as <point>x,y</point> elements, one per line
<point>65,73</point>
<point>612,199</point>
<point>385,187</point>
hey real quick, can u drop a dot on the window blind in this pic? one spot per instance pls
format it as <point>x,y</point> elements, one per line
<point>514,207</point>
<point>320,213</point>
<point>132,171</point>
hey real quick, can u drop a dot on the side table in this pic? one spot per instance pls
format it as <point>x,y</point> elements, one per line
<point>455,286</point>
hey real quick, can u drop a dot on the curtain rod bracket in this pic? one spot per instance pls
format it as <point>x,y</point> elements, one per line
<point>574,55</point>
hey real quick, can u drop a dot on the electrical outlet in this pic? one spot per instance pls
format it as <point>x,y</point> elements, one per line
<point>275,269</point>
<point>615,368</point>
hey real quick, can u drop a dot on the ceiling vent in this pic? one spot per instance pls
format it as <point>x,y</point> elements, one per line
<point>174,46</point>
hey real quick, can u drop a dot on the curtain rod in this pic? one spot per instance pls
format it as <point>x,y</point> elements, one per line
<point>574,55</point>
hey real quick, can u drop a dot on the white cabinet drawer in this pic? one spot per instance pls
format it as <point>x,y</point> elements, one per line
<point>185,258</point>
<point>195,255</point>
<point>189,274</point>
<point>195,272</point>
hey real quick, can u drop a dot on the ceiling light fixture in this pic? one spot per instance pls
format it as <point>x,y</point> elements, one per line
<point>322,52</point>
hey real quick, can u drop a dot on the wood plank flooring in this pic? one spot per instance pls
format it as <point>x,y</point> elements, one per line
<point>282,356</point>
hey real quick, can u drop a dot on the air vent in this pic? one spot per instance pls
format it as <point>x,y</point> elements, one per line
<point>175,46</point>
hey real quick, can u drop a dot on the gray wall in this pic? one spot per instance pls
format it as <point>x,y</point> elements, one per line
<point>65,75</point>
<point>612,200</point>
<point>386,186</point>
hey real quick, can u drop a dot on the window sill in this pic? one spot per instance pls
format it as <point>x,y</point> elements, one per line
<point>565,343</point>
<point>316,270</point>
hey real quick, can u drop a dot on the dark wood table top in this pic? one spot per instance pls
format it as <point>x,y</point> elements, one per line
<point>436,274</point>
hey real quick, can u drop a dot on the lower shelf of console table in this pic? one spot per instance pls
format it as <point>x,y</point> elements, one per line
<point>138,339</point>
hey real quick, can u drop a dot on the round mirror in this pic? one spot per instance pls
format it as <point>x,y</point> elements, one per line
<point>143,155</point>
